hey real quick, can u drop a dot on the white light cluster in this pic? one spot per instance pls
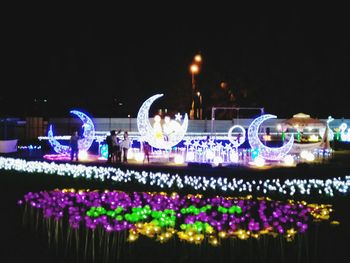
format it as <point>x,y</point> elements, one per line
<point>330,187</point>
<point>211,151</point>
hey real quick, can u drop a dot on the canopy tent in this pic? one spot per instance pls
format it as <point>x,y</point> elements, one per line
<point>301,121</point>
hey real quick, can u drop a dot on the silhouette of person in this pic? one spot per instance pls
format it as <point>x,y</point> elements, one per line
<point>146,150</point>
<point>118,150</point>
<point>109,141</point>
<point>74,150</point>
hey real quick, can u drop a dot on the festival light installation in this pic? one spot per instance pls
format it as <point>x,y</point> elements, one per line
<point>236,141</point>
<point>285,187</point>
<point>83,144</point>
<point>192,218</point>
<point>160,137</point>
<point>266,152</point>
<point>344,134</point>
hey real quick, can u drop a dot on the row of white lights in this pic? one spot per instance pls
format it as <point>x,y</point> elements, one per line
<point>339,185</point>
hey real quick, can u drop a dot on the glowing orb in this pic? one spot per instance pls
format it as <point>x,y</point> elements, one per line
<point>179,159</point>
<point>288,160</point>
<point>83,155</point>
<point>139,157</point>
<point>130,154</point>
<point>259,161</point>
<point>190,156</point>
<point>217,160</point>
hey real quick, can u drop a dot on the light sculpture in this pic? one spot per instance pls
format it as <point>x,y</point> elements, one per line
<point>266,152</point>
<point>192,218</point>
<point>236,142</point>
<point>147,131</point>
<point>344,135</point>
<point>83,144</point>
<point>330,186</point>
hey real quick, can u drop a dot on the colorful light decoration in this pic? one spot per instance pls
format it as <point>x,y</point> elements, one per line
<point>83,144</point>
<point>238,141</point>
<point>344,135</point>
<point>192,218</point>
<point>104,150</point>
<point>330,133</point>
<point>156,136</point>
<point>330,186</point>
<point>205,151</point>
<point>29,147</point>
<point>265,152</point>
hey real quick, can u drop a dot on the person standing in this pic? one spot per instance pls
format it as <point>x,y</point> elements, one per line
<point>109,141</point>
<point>125,146</point>
<point>118,150</point>
<point>74,150</point>
<point>146,150</point>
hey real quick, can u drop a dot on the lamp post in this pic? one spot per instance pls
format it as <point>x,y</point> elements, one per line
<point>194,70</point>
<point>199,111</point>
<point>129,117</point>
<point>195,113</point>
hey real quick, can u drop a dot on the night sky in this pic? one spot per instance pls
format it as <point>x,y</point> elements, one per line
<point>107,62</point>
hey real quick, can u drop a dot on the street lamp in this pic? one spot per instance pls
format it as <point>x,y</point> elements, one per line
<point>198,58</point>
<point>194,69</point>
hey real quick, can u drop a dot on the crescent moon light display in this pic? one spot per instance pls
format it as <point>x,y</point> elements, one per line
<point>236,142</point>
<point>153,135</point>
<point>83,144</point>
<point>265,152</point>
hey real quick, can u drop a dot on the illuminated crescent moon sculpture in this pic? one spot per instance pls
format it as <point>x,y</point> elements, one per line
<point>235,142</point>
<point>83,144</point>
<point>265,152</point>
<point>147,132</point>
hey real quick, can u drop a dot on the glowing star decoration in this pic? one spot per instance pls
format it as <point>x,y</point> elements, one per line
<point>266,152</point>
<point>152,135</point>
<point>178,117</point>
<point>238,140</point>
<point>83,144</point>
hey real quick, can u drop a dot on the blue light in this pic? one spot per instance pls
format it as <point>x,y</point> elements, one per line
<point>104,150</point>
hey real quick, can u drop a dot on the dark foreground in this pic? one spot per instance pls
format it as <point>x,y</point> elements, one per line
<point>322,243</point>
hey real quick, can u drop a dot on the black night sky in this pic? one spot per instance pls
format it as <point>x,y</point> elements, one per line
<point>107,62</point>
